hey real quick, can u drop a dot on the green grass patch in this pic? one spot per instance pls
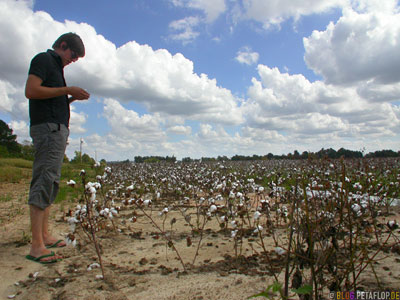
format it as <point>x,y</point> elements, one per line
<point>12,174</point>
<point>5,198</point>
<point>72,171</point>
<point>13,170</point>
<point>16,162</point>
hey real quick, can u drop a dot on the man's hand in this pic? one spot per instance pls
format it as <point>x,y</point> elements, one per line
<point>77,93</point>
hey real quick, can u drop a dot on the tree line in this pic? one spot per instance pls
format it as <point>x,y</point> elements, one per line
<point>9,147</point>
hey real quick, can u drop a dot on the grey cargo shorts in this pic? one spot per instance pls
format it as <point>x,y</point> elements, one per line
<point>50,141</point>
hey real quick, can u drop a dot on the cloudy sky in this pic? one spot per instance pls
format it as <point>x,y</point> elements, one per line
<point>203,78</point>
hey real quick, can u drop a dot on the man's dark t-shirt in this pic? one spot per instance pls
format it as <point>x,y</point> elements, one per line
<point>48,66</point>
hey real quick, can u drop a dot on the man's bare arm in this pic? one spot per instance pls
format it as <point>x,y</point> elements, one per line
<point>35,90</point>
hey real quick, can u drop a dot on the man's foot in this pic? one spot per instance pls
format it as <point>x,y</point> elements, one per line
<point>49,258</point>
<point>51,242</point>
<point>58,244</point>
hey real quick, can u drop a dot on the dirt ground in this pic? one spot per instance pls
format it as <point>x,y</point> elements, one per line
<point>138,264</point>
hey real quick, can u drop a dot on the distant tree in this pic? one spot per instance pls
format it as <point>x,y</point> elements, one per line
<point>139,159</point>
<point>222,158</point>
<point>9,140</point>
<point>349,153</point>
<point>187,160</point>
<point>383,153</point>
<point>304,155</point>
<point>152,159</point>
<point>85,159</point>
<point>4,152</point>
<point>270,156</point>
<point>27,150</point>
<point>170,159</point>
<point>204,159</point>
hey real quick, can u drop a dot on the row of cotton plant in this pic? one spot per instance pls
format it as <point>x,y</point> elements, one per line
<point>319,213</point>
<point>93,215</point>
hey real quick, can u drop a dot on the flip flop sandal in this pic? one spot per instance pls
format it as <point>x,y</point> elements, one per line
<point>44,262</point>
<point>55,245</point>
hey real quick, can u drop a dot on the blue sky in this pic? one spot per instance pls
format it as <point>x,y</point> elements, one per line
<point>214,77</point>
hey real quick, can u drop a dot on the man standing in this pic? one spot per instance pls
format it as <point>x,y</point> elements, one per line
<point>49,112</point>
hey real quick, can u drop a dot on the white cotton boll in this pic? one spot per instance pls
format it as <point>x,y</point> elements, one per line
<point>99,276</point>
<point>93,266</point>
<point>78,207</point>
<point>233,223</point>
<point>92,197</point>
<point>158,195</point>
<point>114,211</point>
<point>239,194</point>
<point>261,189</point>
<point>72,220</point>
<point>110,215</point>
<point>213,208</point>
<point>257,215</point>
<point>222,218</point>
<point>233,233</point>
<point>71,182</point>
<point>279,251</point>
<point>356,208</point>
<point>72,227</point>
<point>130,188</point>
<point>258,229</point>
<point>147,202</point>
<point>231,195</point>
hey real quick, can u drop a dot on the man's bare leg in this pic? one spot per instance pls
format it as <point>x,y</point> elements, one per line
<point>48,239</point>
<point>38,247</point>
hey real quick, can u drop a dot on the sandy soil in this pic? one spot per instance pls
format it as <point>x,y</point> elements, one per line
<point>138,264</point>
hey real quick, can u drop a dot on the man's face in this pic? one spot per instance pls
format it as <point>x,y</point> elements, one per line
<point>68,55</point>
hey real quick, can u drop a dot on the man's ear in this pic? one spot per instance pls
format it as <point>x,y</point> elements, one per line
<point>64,46</point>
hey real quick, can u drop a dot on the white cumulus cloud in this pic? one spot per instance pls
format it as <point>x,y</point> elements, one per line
<point>247,56</point>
